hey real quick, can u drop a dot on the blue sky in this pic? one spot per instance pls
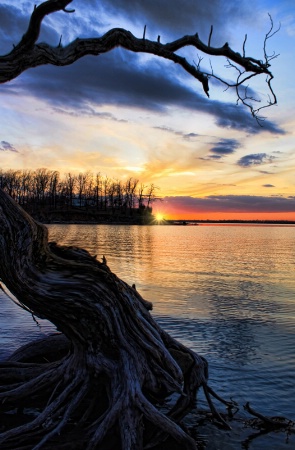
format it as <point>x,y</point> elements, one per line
<point>125,114</point>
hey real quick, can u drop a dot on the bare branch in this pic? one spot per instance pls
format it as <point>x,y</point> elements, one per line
<point>28,53</point>
<point>68,10</point>
<point>244,46</point>
<point>270,34</point>
<point>210,36</point>
<point>33,31</point>
<point>200,59</point>
<point>243,76</point>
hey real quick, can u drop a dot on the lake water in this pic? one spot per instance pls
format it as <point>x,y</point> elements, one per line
<point>227,292</point>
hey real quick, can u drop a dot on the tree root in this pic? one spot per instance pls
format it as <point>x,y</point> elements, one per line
<point>66,393</point>
<point>269,423</point>
<point>69,392</point>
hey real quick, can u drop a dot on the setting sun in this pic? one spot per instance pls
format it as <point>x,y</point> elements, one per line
<point>159,217</point>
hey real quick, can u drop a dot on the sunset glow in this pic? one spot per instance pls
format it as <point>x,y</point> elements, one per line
<point>130,115</point>
<point>159,217</point>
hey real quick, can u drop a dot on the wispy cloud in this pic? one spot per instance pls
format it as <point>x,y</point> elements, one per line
<point>217,157</point>
<point>186,136</point>
<point>265,172</point>
<point>7,147</point>
<point>190,135</point>
<point>87,112</point>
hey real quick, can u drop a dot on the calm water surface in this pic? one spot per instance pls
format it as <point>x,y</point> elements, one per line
<point>227,292</point>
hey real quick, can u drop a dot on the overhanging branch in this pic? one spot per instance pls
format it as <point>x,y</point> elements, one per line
<point>28,54</point>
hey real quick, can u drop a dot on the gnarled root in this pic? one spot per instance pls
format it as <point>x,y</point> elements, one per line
<point>97,396</point>
<point>112,366</point>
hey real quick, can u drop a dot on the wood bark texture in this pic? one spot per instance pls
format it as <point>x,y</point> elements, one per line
<point>113,364</point>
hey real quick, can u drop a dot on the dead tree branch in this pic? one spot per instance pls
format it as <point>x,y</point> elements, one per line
<point>246,73</point>
<point>28,53</point>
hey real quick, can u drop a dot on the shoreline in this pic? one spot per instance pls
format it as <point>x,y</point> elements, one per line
<point>169,222</point>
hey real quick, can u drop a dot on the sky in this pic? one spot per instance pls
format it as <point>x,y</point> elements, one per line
<point>134,115</point>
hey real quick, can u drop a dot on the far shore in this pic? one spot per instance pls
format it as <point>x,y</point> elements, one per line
<point>134,216</point>
<point>132,221</point>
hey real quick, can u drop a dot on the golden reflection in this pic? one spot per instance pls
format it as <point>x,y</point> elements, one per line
<point>196,272</point>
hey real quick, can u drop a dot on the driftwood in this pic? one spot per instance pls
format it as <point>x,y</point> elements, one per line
<point>114,366</point>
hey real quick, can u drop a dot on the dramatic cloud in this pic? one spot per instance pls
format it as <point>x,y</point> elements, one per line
<point>14,22</point>
<point>7,147</point>
<point>182,16</point>
<point>122,78</point>
<point>225,147</point>
<point>232,203</point>
<point>231,116</point>
<point>255,159</point>
<point>117,78</point>
<point>11,22</point>
<point>169,19</point>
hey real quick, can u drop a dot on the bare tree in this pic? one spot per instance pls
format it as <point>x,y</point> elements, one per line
<point>97,188</point>
<point>84,182</point>
<point>41,178</point>
<point>70,184</point>
<point>113,363</point>
<point>26,186</point>
<point>105,184</point>
<point>119,194</point>
<point>53,187</point>
<point>151,194</point>
<point>129,193</point>
<point>140,194</point>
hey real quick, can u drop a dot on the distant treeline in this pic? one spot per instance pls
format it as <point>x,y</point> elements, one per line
<point>43,188</point>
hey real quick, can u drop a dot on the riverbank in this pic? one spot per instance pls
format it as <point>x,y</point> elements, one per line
<point>92,216</point>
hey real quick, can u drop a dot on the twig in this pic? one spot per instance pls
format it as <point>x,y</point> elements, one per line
<point>210,35</point>
<point>274,422</point>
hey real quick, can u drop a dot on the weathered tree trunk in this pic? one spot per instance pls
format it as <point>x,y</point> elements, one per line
<point>117,364</point>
